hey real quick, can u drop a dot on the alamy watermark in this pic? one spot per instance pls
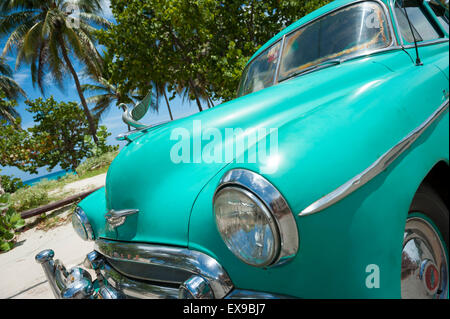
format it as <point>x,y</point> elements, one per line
<point>73,13</point>
<point>373,277</point>
<point>213,145</point>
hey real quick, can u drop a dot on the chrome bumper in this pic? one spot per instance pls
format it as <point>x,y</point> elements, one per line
<point>150,271</point>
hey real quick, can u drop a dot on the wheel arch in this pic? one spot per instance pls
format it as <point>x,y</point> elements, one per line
<point>437,178</point>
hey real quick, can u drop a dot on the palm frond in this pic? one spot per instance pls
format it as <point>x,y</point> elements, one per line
<point>12,21</point>
<point>5,69</point>
<point>95,19</point>
<point>89,6</point>
<point>10,87</point>
<point>9,6</point>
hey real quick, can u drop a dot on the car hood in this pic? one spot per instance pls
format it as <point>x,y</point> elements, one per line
<point>144,175</point>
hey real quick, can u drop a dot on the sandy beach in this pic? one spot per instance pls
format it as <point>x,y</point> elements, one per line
<point>20,276</point>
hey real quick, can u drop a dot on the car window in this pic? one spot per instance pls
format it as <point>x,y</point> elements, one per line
<point>353,30</point>
<point>421,23</point>
<point>260,73</point>
<point>441,14</point>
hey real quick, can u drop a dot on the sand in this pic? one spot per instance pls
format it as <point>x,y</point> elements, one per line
<point>20,276</point>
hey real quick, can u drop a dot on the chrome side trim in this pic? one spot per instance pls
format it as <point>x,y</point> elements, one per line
<point>195,262</point>
<point>376,168</point>
<point>276,204</point>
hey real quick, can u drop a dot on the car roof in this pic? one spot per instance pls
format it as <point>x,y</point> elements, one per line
<point>313,15</point>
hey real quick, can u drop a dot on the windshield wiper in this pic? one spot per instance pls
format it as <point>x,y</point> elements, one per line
<point>314,67</point>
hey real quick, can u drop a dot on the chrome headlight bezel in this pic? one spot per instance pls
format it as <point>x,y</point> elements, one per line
<point>81,224</point>
<point>271,201</point>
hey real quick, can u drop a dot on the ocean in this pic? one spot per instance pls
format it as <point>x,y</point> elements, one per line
<point>51,176</point>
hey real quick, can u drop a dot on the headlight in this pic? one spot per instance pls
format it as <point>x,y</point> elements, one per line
<point>254,219</point>
<point>246,226</point>
<point>81,224</point>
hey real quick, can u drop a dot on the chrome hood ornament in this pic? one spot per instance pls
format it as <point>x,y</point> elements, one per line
<point>133,115</point>
<point>115,218</point>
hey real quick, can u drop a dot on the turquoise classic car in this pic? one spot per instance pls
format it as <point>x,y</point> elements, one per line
<point>327,176</point>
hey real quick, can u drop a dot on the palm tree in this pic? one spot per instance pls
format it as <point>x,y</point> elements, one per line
<point>7,111</point>
<point>104,92</point>
<point>161,90</point>
<point>106,95</point>
<point>48,33</point>
<point>190,89</point>
<point>10,88</point>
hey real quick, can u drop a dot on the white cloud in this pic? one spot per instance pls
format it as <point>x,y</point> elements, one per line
<point>106,6</point>
<point>113,122</point>
<point>22,77</point>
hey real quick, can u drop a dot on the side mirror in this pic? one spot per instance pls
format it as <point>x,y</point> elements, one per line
<point>133,115</point>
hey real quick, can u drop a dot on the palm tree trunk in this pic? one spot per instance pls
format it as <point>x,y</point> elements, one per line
<point>2,191</point>
<point>199,105</point>
<point>91,122</point>
<point>168,106</point>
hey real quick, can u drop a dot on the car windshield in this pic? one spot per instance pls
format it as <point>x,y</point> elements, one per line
<point>354,30</point>
<point>260,73</point>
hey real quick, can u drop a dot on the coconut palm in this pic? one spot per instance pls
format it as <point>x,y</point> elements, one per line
<point>161,90</point>
<point>190,89</point>
<point>7,111</point>
<point>105,95</point>
<point>10,88</point>
<point>47,34</point>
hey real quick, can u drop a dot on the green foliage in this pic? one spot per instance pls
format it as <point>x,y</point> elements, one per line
<point>47,191</point>
<point>28,198</point>
<point>59,137</point>
<point>197,48</point>
<point>18,148</point>
<point>95,163</point>
<point>60,131</point>
<point>47,36</point>
<point>5,199</point>
<point>10,184</point>
<point>10,220</point>
<point>101,147</point>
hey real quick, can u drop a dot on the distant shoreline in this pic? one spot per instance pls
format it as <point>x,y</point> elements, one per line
<point>51,176</point>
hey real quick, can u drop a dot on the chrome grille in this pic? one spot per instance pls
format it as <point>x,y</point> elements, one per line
<point>155,271</point>
<point>148,272</point>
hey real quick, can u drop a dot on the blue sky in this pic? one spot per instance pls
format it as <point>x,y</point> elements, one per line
<point>112,119</point>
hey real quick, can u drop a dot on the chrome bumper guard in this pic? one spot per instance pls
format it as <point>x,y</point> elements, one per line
<point>130,270</point>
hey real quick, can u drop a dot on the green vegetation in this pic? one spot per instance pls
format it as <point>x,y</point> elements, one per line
<point>46,36</point>
<point>10,184</point>
<point>10,221</point>
<point>191,48</point>
<point>195,48</point>
<point>58,138</point>
<point>46,191</point>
